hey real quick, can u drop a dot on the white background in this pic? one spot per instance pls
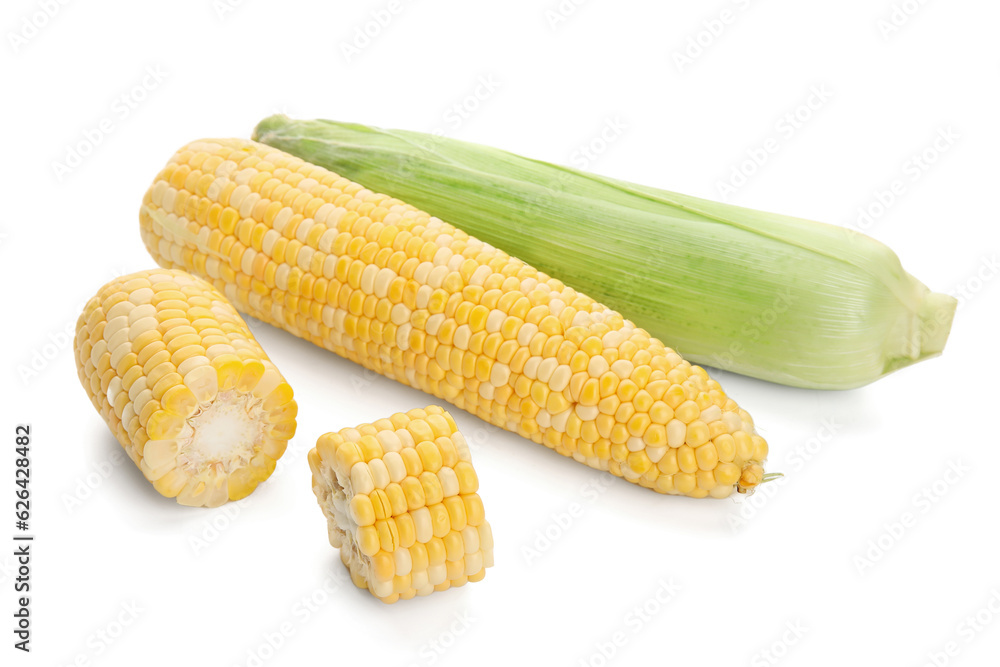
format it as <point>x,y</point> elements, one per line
<point>747,569</point>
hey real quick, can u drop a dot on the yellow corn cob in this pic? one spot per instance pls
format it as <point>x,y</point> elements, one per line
<point>183,385</point>
<point>400,500</point>
<point>411,297</point>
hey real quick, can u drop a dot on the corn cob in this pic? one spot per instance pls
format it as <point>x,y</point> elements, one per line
<point>400,500</point>
<point>778,298</point>
<point>183,386</point>
<point>411,297</point>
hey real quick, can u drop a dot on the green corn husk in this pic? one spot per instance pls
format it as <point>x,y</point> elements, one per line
<point>779,298</point>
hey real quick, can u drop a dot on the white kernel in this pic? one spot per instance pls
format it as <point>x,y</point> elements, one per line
<point>560,377</point>
<point>422,271</point>
<point>423,295</point>
<point>394,464</point>
<point>382,281</point>
<point>321,216</point>
<point>434,323</point>
<point>268,241</point>
<point>403,336</point>
<point>656,453</point>
<point>526,333</point>
<point>546,368</point>
<point>449,481</point>
<point>494,320</point>
<point>399,314</point>
<point>368,278</point>
<point>597,366</point>
<point>530,369</point>
<point>302,231</point>
<point>437,275</point>
<point>499,374</point>
<point>732,421</point>
<point>635,444</point>
<point>622,368</point>
<point>361,478</point>
<point>480,275</point>
<point>676,432</point>
<point>380,473</point>
<point>461,338</point>
<point>389,440</point>
<point>330,267</point>
<point>443,253</point>
<point>403,562</point>
<point>711,414</point>
<point>304,258</point>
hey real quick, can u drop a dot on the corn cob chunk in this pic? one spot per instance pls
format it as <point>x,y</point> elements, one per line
<point>411,297</point>
<point>183,385</point>
<point>399,496</point>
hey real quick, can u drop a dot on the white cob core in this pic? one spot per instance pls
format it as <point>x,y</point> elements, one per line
<point>225,432</point>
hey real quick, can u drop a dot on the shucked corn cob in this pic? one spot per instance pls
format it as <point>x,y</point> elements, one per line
<point>183,385</point>
<point>779,298</point>
<point>411,297</point>
<point>400,500</point>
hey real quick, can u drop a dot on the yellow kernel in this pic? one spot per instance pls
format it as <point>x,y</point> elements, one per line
<point>687,411</point>
<point>697,433</point>
<point>686,459</point>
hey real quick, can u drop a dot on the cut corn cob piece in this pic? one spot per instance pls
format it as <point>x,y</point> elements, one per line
<point>771,296</point>
<point>411,297</point>
<point>401,503</point>
<point>180,381</point>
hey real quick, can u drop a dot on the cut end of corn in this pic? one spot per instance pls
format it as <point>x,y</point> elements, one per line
<point>401,503</point>
<point>183,386</point>
<point>413,298</point>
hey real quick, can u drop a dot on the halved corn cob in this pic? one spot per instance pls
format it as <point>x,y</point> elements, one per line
<point>400,500</point>
<point>183,385</point>
<point>409,296</point>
